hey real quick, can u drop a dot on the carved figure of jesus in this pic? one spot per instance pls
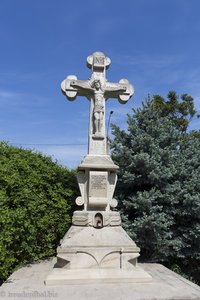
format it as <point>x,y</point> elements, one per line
<point>98,112</point>
<point>98,90</point>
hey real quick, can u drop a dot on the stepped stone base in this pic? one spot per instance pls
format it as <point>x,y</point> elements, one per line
<point>28,283</point>
<point>86,276</point>
<point>89,254</point>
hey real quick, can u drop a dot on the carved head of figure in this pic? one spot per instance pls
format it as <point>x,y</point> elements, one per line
<point>96,84</point>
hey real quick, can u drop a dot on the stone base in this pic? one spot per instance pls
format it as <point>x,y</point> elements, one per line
<point>87,247</point>
<point>89,254</point>
<point>28,283</point>
<point>86,276</point>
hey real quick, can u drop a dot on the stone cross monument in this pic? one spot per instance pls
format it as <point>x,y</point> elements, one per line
<point>96,248</point>
<point>97,173</point>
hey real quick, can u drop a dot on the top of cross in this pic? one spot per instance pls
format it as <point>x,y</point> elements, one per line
<point>98,60</point>
<point>97,89</point>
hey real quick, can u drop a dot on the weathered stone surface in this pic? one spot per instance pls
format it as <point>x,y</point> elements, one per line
<point>97,188</point>
<point>88,218</point>
<point>28,282</point>
<point>86,276</point>
<point>97,248</point>
<point>98,162</point>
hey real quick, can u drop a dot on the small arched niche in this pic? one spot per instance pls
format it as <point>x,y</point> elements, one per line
<point>98,220</point>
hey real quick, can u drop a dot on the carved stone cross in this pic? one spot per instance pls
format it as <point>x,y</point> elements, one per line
<point>97,89</point>
<point>96,249</point>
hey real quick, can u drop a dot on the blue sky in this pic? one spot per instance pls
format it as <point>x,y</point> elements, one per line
<point>155,44</point>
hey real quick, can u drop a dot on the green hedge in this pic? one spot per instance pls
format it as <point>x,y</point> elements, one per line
<point>35,206</point>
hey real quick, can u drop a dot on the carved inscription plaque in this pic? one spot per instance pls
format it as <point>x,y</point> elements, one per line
<point>98,184</point>
<point>99,60</point>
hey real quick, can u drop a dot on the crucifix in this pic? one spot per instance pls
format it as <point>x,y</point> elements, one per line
<point>96,247</point>
<point>97,89</point>
<point>97,174</point>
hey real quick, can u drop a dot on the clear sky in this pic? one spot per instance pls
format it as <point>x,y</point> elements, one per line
<point>155,44</point>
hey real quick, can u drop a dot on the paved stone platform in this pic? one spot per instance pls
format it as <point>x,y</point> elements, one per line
<point>28,283</point>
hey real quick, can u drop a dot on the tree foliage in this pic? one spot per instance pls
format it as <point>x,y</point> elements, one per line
<point>158,186</point>
<point>179,110</point>
<point>35,202</point>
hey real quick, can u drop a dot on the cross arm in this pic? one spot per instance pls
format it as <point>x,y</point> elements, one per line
<point>71,87</point>
<point>122,90</point>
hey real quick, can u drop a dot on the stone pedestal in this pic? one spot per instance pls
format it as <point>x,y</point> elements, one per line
<point>97,178</point>
<point>89,254</point>
<point>96,252</point>
<point>96,248</point>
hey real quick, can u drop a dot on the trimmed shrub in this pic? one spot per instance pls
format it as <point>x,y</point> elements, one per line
<point>35,206</point>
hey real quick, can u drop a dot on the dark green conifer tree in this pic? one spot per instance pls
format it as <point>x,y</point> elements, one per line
<point>158,187</point>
